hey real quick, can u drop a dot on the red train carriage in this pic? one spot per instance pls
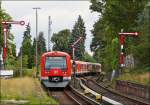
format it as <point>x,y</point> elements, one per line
<point>55,69</point>
<point>87,67</point>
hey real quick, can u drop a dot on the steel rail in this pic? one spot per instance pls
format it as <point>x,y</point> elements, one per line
<point>119,94</point>
<point>104,98</point>
<point>81,95</point>
<point>97,95</point>
<point>65,91</point>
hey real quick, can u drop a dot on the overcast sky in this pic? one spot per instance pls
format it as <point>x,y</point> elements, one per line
<point>63,15</point>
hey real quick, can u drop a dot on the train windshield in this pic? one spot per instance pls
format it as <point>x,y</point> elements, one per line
<point>55,62</point>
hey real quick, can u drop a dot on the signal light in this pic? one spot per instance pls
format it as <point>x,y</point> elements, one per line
<point>122,49</point>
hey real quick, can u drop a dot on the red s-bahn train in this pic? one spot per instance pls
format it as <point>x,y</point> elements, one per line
<point>56,69</point>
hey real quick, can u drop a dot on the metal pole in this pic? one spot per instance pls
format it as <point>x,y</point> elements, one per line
<point>0,46</point>
<point>73,54</point>
<point>49,33</point>
<point>5,30</point>
<point>36,39</point>
<point>21,64</point>
<point>1,58</point>
<point>74,71</point>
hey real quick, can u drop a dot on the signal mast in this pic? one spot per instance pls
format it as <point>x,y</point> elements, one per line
<point>73,54</point>
<point>122,37</point>
<point>5,27</point>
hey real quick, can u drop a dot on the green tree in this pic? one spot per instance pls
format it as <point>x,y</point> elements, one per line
<point>141,46</point>
<point>61,40</point>
<point>33,52</point>
<point>11,52</point>
<point>88,58</point>
<point>27,46</point>
<point>3,16</point>
<point>11,47</point>
<point>0,28</point>
<point>24,60</point>
<point>115,15</point>
<point>41,48</point>
<point>78,31</point>
<point>41,44</point>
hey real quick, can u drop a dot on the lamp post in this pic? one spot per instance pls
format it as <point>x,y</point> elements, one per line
<point>36,12</point>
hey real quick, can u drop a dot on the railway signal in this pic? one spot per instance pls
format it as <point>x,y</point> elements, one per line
<point>73,47</point>
<point>73,54</point>
<point>13,22</point>
<point>6,25</point>
<point>129,34</point>
<point>122,42</point>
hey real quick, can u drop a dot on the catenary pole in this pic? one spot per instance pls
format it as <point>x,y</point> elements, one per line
<point>49,33</point>
<point>36,51</point>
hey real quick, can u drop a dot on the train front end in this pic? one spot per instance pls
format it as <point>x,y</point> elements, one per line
<point>55,69</point>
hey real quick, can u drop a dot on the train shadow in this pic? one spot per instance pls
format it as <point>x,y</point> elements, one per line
<point>58,88</point>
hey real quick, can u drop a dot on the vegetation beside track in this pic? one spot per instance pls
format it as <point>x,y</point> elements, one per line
<point>137,76</point>
<point>24,89</point>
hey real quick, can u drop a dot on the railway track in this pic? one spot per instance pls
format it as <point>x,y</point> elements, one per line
<point>63,98</point>
<point>104,91</point>
<point>67,97</point>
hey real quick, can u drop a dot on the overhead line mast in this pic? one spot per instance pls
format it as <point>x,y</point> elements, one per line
<point>49,33</point>
<point>36,12</point>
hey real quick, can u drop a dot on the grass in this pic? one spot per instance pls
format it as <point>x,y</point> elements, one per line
<point>137,76</point>
<point>24,89</point>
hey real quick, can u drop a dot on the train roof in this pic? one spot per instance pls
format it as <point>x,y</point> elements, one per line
<point>55,53</point>
<point>83,62</point>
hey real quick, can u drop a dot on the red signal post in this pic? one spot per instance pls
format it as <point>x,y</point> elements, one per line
<point>122,42</point>
<point>73,46</point>
<point>6,25</point>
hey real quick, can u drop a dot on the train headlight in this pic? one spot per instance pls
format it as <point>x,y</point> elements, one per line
<point>66,78</point>
<point>44,78</point>
<point>65,73</point>
<point>46,71</point>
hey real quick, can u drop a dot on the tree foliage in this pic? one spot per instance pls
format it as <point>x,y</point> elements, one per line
<point>141,46</point>
<point>114,16</point>
<point>41,43</point>
<point>27,46</point>
<point>0,28</point>
<point>78,31</point>
<point>61,40</point>
<point>41,48</point>
<point>3,16</point>
<point>11,52</point>
<point>11,47</point>
<point>33,52</point>
<point>88,58</point>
